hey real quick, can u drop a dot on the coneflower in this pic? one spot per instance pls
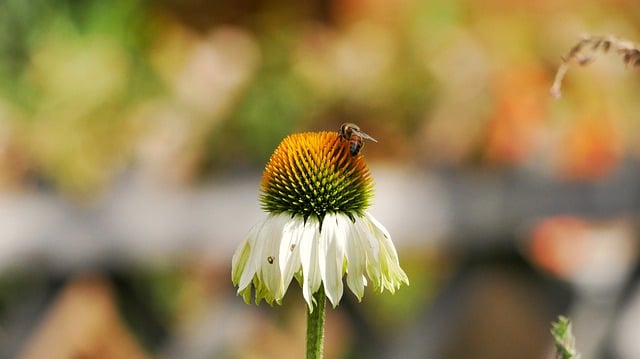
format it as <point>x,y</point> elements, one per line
<point>317,229</point>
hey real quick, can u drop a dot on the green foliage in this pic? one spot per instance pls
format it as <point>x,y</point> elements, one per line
<point>564,340</point>
<point>70,73</point>
<point>270,107</point>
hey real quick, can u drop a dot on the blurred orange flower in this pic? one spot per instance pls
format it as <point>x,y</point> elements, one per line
<point>519,115</point>
<point>592,149</point>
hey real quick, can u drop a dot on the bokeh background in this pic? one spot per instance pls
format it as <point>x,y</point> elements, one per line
<point>133,135</point>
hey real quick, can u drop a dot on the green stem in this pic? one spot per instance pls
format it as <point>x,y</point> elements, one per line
<point>315,327</point>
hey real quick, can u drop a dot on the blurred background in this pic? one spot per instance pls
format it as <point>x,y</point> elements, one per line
<point>133,136</point>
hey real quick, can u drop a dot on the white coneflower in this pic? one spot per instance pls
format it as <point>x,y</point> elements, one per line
<point>317,229</point>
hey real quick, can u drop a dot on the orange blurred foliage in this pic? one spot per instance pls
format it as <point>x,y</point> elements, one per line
<point>519,116</point>
<point>591,150</point>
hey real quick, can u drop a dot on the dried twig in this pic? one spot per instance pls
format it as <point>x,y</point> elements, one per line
<point>584,53</point>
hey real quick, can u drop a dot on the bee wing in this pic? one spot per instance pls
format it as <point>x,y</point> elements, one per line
<point>366,137</point>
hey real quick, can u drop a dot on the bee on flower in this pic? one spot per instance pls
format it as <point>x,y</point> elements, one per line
<point>316,189</point>
<point>351,132</point>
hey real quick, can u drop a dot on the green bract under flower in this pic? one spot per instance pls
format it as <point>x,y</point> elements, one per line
<point>312,174</point>
<point>317,230</point>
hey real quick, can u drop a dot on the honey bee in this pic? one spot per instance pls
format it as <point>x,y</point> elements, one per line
<point>351,132</point>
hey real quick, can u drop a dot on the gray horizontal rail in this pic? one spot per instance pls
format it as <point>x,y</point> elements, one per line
<point>138,221</point>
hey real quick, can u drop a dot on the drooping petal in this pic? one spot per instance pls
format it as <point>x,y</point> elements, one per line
<point>254,243</point>
<point>269,267</point>
<point>356,254</point>
<point>239,267</point>
<point>331,256</point>
<point>392,276</point>
<point>242,254</point>
<point>309,259</point>
<point>372,250</point>
<point>289,256</point>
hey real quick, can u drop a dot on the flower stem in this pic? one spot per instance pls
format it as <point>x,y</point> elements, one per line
<point>315,326</point>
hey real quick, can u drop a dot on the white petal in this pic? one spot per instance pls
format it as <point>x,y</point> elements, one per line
<point>242,254</point>
<point>289,255</point>
<point>269,267</point>
<point>309,259</point>
<point>355,251</point>
<point>331,256</point>
<point>380,231</point>
<point>251,267</point>
<point>372,249</point>
<point>392,274</point>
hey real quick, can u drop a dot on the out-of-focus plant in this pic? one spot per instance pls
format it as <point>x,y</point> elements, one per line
<point>271,106</point>
<point>563,338</point>
<point>70,70</point>
<point>176,90</point>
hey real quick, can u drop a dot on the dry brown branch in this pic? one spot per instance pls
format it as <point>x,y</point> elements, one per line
<point>585,50</point>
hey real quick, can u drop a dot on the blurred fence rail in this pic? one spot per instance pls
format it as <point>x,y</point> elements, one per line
<point>137,221</point>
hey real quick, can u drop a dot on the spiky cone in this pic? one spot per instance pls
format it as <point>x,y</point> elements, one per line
<point>317,228</point>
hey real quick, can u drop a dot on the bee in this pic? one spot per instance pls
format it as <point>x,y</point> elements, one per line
<point>351,132</point>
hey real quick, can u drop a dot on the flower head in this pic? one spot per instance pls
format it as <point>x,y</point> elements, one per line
<point>317,229</point>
